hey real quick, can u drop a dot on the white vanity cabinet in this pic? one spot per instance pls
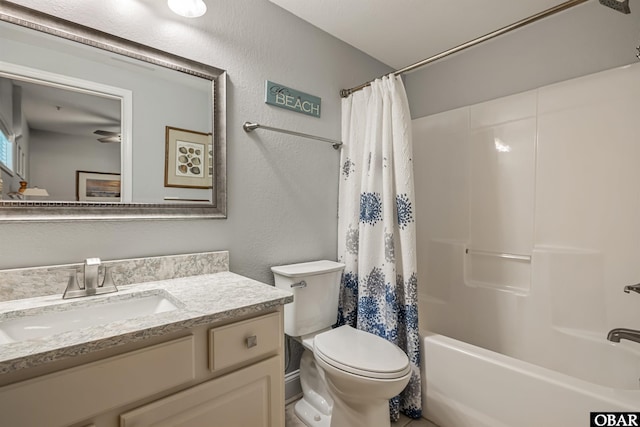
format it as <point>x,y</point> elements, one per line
<point>228,375</point>
<point>251,396</point>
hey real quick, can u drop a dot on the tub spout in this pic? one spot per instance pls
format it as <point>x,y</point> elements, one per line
<point>618,334</point>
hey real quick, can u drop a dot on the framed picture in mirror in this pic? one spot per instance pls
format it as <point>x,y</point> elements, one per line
<point>97,186</point>
<point>187,159</point>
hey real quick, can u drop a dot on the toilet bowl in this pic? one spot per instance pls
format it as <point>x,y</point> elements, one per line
<point>362,372</point>
<point>347,375</point>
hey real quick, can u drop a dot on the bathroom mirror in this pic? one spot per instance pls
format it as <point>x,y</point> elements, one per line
<point>112,129</point>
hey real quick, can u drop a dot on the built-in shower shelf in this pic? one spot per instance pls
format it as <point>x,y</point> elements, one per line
<point>502,271</point>
<point>499,255</point>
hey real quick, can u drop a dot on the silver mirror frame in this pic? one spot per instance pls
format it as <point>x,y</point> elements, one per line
<point>27,211</point>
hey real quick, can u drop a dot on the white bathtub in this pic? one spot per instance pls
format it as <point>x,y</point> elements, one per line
<point>468,386</point>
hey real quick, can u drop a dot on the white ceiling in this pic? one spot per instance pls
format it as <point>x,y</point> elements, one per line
<point>62,110</point>
<point>402,32</point>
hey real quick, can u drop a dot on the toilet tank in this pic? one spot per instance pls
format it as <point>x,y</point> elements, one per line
<point>315,286</point>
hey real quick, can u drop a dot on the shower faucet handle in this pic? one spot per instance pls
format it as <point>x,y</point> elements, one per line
<point>634,288</point>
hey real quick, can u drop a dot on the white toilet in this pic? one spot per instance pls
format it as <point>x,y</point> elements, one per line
<point>347,375</point>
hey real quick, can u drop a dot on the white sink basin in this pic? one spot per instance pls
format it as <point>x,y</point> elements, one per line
<point>77,316</point>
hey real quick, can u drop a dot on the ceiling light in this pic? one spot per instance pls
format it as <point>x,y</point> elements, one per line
<point>188,8</point>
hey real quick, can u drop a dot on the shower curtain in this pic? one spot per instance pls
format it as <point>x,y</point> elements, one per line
<point>376,227</point>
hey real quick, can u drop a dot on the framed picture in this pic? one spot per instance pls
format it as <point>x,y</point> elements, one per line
<point>97,186</point>
<point>210,160</point>
<point>187,160</point>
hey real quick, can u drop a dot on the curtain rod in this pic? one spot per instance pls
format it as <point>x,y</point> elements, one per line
<point>250,127</point>
<point>533,18</point>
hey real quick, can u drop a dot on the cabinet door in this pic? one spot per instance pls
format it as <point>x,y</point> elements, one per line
<point>253,396</point>
<point>72,395</point>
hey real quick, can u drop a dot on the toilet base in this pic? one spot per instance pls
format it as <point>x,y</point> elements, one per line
<point>310,416</point>
<point>360,414</point>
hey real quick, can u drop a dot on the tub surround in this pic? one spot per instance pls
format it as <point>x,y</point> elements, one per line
<point>512,190</point>
<point>31,282</point>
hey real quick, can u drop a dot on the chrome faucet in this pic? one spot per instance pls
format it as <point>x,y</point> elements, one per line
<point>92,285</point>
<point>618,334</point>
<point>91,267</point>
<point>634,288</point>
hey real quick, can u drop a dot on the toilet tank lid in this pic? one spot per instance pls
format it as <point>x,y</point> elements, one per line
<point>307,268</point>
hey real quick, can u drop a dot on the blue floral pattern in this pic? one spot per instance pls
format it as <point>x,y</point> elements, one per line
<point>347,307</point>
<point>370,208</point>
<point>376,241</point>
<point>352,241</point>
<point>404,210</point>
<point>348,168</point>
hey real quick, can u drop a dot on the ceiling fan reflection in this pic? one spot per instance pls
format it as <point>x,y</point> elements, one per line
<point>108,136</point>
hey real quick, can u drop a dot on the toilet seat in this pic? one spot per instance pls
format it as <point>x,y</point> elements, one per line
<point>361,353</point>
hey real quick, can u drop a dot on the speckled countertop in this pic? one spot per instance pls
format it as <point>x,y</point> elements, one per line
<point>199,299</point>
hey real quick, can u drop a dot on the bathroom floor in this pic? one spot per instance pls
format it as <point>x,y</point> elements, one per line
<point>292,421</point>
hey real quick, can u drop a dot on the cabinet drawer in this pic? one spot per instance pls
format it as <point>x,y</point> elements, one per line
<point>245,341</point>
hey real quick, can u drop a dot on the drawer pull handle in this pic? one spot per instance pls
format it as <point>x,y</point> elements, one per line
<point>252,341</point>
<point>300,284</point>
